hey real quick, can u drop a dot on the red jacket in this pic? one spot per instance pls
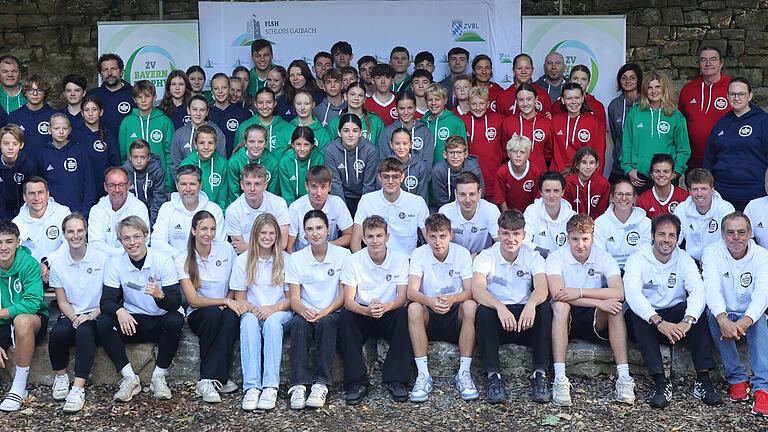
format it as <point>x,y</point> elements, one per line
<point>591,197</point>
<point>702,106</point>
<point>388,112</point>
<point>518,193</point>
<point>494,91</point>
<point>597,107</point>
<point>507,101</point>
<point>571,134</point>
<point>484,139</point>
<point>538,130</point>
<point>649,202</point>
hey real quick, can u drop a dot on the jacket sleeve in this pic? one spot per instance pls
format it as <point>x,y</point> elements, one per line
<point>682,144</point>
<point>159,234</point>
<point>172,299</point>
<point>369,173</point>
<point>113,150</point>
<point>710,153</point>
<point>96,225</point>
<point>627,160</point>
<point>221,141</point>
<point>715,299</point>
<point>233,180</point>
<point>287,188</point>
<point>697,297</point>
<point>111,300</point>
<point>166,156</point>
<point>757,306</point>
<point>122,140</point>
<point>600,141</point>
<point>337,188</point>
<point>177,154</point>
<point>32,297</point>
<point>158,193</point>
<point>633,280</point>
<point>89,189</point>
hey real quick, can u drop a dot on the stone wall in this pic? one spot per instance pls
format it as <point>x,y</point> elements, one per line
<point>56,37</point>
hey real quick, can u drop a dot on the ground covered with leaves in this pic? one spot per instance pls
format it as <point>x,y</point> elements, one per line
<point>593,410</point>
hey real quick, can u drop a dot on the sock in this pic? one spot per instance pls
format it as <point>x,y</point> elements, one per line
<point>19,385</point>
<point>127,371</point>
<point>158,371</point>
<point>659,378</point>
<point>559,370</point>
<point>702,376</point>
<point>421,365</point>
<point>622,370</point>
<point>464,364</point>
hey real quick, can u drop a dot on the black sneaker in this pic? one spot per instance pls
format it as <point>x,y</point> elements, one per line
<point>662,394</point>
<point>397,391</point>
<point>496,393</point>
<point>355,394</point>
<point>540,388</point>
<point>704,390</point>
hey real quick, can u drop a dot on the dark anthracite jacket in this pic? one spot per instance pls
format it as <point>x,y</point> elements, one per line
<point>11,177</point>
<point>68,172</point>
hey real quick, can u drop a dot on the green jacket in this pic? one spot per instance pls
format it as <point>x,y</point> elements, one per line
<point>11,103</point>
<point>21,287</point>
<point>371,128</point>
<point>650,131</point>
<point>444,126</point>
<point>156,129</point>
<point>255,83</point>
<point>214,176</point>
<point>322,135</point>
<point>239,160</point>
<point>278,134</point>
<point>292,173</point>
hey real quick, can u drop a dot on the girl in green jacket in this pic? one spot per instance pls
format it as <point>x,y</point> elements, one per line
<point>212,163</point>
<point>293,168</point>
<point>304,105</point>
<point>278,130</point>
<point>252,150</point>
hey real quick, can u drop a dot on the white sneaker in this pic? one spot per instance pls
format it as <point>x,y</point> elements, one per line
<point>317,396</point>
<point>561,392</point>
<point>159,387</point>
<point>75,400</point>
<point>129,387</point>
<point>298,395</point>
<point>207,388</point>
<point>422,387</point>
<point>13,401</point>
<point>251,399</point>
<point>268,399</point>
<point>60,387</point>
<point>625,390</point>
<point>228,387</point>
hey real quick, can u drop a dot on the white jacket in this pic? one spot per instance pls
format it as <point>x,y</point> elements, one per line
<point>701,230</point>
<point>622,239</point>
<point>174,222</point>
<point>42,236</point>
<point>102,223</point>
<point>541,230</point>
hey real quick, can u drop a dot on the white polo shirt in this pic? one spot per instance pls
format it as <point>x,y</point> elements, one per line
<point>240,216</point>
<point>82,281</point>
<point>122,274</point>
<point>335,208</point>
<point>262,292</point>
<point>441,278</point>
<point>594,273</point>
<point>510,282</point>
<point>757,212</point>
<point>319,280</point>
<point>404,217</point>
<point>214,271</point>
<point>42,236</point>
<point>477,233</point>
<point>373,280</point>
<point>102,223</point>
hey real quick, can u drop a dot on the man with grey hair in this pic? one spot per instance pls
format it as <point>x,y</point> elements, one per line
<point>553,78</point>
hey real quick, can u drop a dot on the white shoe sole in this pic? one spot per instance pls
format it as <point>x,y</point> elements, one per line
<point>135,391</point>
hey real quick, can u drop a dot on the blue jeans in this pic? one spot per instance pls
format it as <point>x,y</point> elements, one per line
<point>253,334</point>
<point>757,341</point>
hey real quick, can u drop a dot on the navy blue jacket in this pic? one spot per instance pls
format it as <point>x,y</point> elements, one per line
<point>11,198</point>
<point>228,120</point>
<point>180,117</point>
<point>68,172</point>
<point>36,125</point>
<point>74,120</point>
<point>103,152</point>
<point>3,117</point>
<point>115,108</point>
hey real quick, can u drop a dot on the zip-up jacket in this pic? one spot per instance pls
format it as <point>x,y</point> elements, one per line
<point>292,173</point>
<point>591,198</point>
<point>148,185</point>
<point>228,120</point>
<point>701,230</point>
<point>117,104</point>
<point>102,223</point>
<point>554,92</point>
<point>104,152</point>
<point>537,129</point>
<point>354,171</point>
<point>322,136</point>
<point>650,131</point>
<point>326,111</point>
<point>443,127</point>
<point>617,115</point>
<point>444,180</point>
<point>278,134</point>
<point>235,169</point>
<point>183,144</point>
<point>214,176</point>
<point>156,129</point>
<point>68,172</point>
<point>702,106</point>
<point>21,287</point>
<point>11,178</point>
<point>622,239</point>
<point>569,134</point>
<point>35,124</point>
<point>42,236</point>
<point>485,142</point>
<point>422,141</point>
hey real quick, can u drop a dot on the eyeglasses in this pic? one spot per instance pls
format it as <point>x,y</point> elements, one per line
<point>624,194</point>
<point>740,95</point>
<point>35,91</point>
<point>455,153</point>
<point>709,60</point>
<point>116,186</point>
<point>390,177</point>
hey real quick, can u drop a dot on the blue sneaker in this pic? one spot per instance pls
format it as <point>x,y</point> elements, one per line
<point>421,388</point>
<point>465,386</point>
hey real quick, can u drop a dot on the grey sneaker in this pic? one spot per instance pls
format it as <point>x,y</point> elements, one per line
<point>60,387</point>
<point>207,388</point>
<point>159,387</point>
<point>228,387</point>
<point>75,400</point>
<point>421,388</point>
<point>561,392</point>
<point>298,395</point>
<point>317,396</point>
<point>466,386</point>
<point>129,387</point>
<point>268,399</point>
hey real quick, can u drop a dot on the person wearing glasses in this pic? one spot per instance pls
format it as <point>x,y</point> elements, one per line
<point>737,151</point>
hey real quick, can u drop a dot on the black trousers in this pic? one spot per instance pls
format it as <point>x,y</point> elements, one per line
<point>490,335</point>
<point>322,336</point>
<point>354,331</point>
<point>63,336</point>
<point>165,330</point>
<point>649,338</point>
<point>216,330</point>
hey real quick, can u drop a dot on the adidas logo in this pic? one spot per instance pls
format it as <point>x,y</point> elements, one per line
<point>560,132</point>
<point>759,224</point>
<point>639,125</point>
<point>341,166</point>
<point>543,233</point>
<point>652,209</point>
<point>293,178</point>
<point>693,101</point>
<point>178,227</point>
<point>610,239</point>
<point>721,133</point>
<point>726,275</point>
<point>50,168</point>
<point>133,135</point>
<point>618,119</point>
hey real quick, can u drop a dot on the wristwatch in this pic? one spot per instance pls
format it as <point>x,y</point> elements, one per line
<point>689,320</point>
<point>658,323</point>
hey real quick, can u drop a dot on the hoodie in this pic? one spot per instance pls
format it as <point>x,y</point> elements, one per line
<point>68,172</point>
<point>21,287</point>
<point>737,154</point>
<point>35,125</point>
<point>422,141</point>
<point>42,236</point>
<point>485,142</point>
<point>103,151</point>
<point>650,285</point>
<point>622,239</point>
<point>553,91</point>
<point>292,173</point>
<point>179,116</point>
<point>702,106</point>
<point>214,176</point>
<point>617,114</point>
<point>326,111</point>
<point>322,136</point>
<point>183,144</point>
<point>443,127</point>
<point>537,129</point>
<point>283,108</point>
<point>278,134</point>
<point>543,232</point>
<point>443,182</point>
<point>174,222</point>
<point>117,104</point>
<point>417,177</point>
<point>650,131</point>
<point>235,168</point>
<point>102,223</point>
<point>228,120</point>
<point>569,134</point>
<point>591,198</point>
<point>148,185</point>
<point>596,108</point>
<point>354,171</point>
<point>701,230</point>
<point>3,117</point>
<point>156,129</point>
<point>506,104</point>
<point>11,178</point>
<point>373,125</point>
<point>10,103</point>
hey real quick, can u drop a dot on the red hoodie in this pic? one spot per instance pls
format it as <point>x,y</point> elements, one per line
<point>388,112</point>
<point>507,102</point>
<point>571,134</point>
<point>597,107</point>
<point>494,91</point>
<point>595,192</point>
<point>484,139</point>
<point>520,192</point>
<point>702,106</point>
<point>537,129</point>
<point>653,207</point>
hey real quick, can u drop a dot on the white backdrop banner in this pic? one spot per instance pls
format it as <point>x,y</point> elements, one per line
<point>299,29</point>
<point>151,49</point>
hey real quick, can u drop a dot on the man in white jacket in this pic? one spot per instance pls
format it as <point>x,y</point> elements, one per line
<point>666,298</point>
<point>736,281</point>
<point>111,209</point>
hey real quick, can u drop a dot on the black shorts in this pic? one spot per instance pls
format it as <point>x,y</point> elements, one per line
<point>5,333</point>
<point>444,328</point>
<point>582,325</point>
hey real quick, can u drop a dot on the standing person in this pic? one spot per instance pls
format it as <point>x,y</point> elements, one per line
<point>654,126</point>
<point>73,88</point>
<point>757,212</point>
<point>574,126</point>
<point>628,80</point>
<point>11,94</point>
<point>252,150</point>
<point>371,124</point>
<point>77,276</point>
<point>623,229</point>
<point>237,95</point>
<point>523,74</point>
<point>277,76</point>
<point>115,93</point>
<point>313,276</point>
<point>422,140</point>
<point>99,143</point>
<point>178,92</point>
<point>516,179</point>
<point>532,124</point>
<point>35,115</point>
<point>213,312</point>
<point>586,188</point>
<point>146,176</point>
<point>547,217</point>
<point>227,116</point>
<point>196,75</point>
<point>321,63</point>
<point>211,163</point>
<point>737,152</point>
<point>295,164</point>
<point>458,58</point>
<point>735,275</point>
<point>381,101</point>
<point>365,65</point>
<point>484,138</point>
<point>375,280</point>
<point>23,314</point>
<point>482,72</point>
<point>303,105</point>
<point>442,123</point>
<point>139,303</point>
<point>473,219</point>
<point>15,167</point>
<point>668,308</point>
<point>300,78</point>
<point>258,280</point>
<point>419,83</point>
<point>184,140</point>
<point>459,94</point>
<point>342,54</point>
<point>348,76</point>
<point>663,197</point>
<point>279,130</point>
<point>553,78</point>
<point>581,75</point>
<point>417,171</point>
<point>333,103</point>
<point>400,60</point>
<point>704,100</point>
<point>261,56</point>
